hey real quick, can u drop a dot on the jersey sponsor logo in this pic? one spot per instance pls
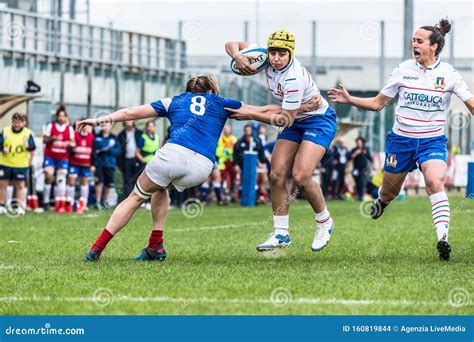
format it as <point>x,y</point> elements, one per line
<point>440,84</point>
<point>410,78</point>
<point>392,160</point>
<point>423,100</point>
<point>415,97</point>
<point>311,134</point>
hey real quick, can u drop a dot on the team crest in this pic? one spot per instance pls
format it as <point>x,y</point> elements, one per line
<point>440,84</point>
<point>391,160</point>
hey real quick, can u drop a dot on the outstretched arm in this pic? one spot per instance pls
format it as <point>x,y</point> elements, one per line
<point>125,114</point>
<point>270,114</point>
<point>470,104</point>
<point>341,95</point>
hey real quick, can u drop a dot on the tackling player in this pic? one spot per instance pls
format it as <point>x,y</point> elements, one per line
<point>186,160</point>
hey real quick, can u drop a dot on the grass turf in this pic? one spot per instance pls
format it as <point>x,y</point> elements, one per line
<point>388,266</point>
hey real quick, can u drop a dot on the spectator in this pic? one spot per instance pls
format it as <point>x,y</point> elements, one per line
<point>225,151</point>
<point>106,151</point>
<point>147,145</point>
<point>327,169</point>
<point>127,161</point>
<point>341,156</point>
<point>245,143</point>
<point>17,146</point>
<point>80,164</point>
<point>361,160</point>
<point>59,139</point>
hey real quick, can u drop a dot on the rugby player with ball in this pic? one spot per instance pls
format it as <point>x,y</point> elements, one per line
<point>304,139</point>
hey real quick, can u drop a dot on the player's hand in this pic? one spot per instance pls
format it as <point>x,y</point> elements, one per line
<point>88,122</point>
<point>92,169</point>
<point>339,95</point>
<point>312,104</point>
<point>239,114</point>
<point>242,62</point>
<point>5,150</point>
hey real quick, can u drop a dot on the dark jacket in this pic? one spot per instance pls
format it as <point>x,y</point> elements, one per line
<point>243,145</point>
<point>122,137</point>
<point>106,151</point>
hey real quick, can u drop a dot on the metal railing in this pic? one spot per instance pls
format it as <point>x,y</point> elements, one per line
<point>29,33</point>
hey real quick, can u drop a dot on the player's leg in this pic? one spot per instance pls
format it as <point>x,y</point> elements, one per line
<point>99,184</point>
<point>391,185</point>
<point>282,162</point>
<point>262,181</point>
<point>122,214</point>
<point>109,183</point>
<point>3,188</point>
<point>205,186</point>
<point>159,213</point>
<point>19,186</point>
<point>84,186</point>
<point>400,158</point>
<point>303,169</point>
<point>48,181</point>
<point>434,172</point>
<point>217,185</point>
<point>71,183</point>
<point>60,185</point>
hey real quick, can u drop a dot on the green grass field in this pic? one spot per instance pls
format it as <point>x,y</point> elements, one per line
<point>389,266</point>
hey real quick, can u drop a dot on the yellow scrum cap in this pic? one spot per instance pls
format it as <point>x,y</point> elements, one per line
<point>282,39</point>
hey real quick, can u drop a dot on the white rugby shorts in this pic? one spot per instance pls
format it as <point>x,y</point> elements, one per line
<point>175,166</point>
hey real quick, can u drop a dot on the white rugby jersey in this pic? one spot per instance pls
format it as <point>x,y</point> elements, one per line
<point>292,86</point>
<point>424,97</point>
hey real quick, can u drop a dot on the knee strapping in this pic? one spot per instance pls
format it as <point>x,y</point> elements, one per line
<point>140,192</point>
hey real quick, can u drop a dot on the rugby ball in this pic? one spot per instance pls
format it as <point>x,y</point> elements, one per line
<point>258,63</point>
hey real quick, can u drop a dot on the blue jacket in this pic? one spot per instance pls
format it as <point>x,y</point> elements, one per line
<point>106,151</point>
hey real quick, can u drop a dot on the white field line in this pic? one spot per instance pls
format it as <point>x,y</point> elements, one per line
<point>166,299</point>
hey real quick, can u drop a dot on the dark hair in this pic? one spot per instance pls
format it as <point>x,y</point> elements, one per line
<point>361,139</point>
<point>202,85</point>
<point>60,109</point>
<point>19,116</point>
<point>248,125</point>
<point>438,32</point>
<point>149,122</point>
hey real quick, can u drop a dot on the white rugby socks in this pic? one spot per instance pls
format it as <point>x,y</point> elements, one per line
<point>441,214</point>
<point>281,224</point>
